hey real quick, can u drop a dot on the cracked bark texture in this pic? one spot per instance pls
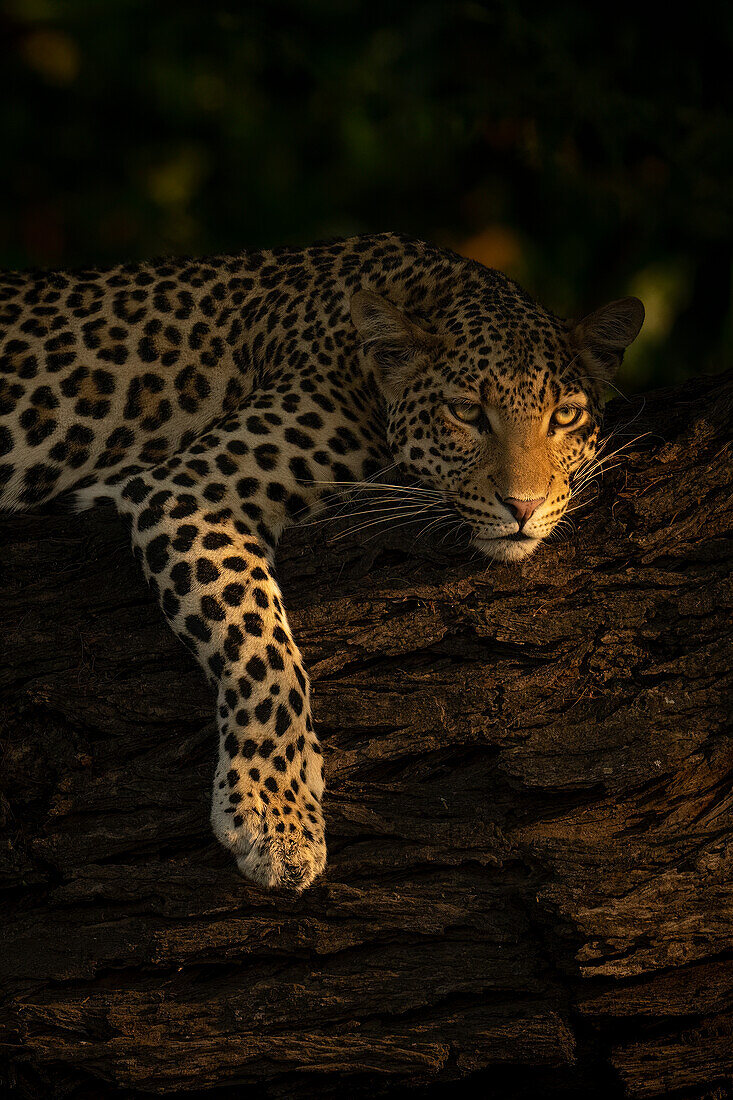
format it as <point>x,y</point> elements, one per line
<point>530,832</point>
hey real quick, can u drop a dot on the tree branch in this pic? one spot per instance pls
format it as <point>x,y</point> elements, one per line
<point>529,810</point>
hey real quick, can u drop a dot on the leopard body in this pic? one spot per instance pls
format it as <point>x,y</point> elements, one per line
<point>216,402</point>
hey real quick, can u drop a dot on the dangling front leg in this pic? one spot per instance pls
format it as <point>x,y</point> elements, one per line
<point>214,582</point>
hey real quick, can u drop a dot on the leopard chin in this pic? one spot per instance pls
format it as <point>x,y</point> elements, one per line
<point>510,550</point>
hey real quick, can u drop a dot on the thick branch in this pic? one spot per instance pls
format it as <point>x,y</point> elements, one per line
<point>530,810</point>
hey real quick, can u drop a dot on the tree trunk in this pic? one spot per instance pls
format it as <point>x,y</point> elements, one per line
<point>530,832</point>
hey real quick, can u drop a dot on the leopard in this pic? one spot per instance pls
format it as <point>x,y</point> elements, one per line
<point>216,402</point>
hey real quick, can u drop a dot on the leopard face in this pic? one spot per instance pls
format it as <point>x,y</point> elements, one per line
<point>497,413</point>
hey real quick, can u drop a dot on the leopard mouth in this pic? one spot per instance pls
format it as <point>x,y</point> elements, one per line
<point>507,548</point>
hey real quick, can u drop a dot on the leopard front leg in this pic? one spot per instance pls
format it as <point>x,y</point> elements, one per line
<point>269,780</point>
<point>214,581</point>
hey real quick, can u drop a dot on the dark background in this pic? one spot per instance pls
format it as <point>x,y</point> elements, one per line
<point>585,150</point>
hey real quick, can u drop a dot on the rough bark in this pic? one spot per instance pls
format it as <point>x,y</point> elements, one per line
<point>531,839</point>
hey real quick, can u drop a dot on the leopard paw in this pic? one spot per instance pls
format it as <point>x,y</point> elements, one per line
<point>274,848</point>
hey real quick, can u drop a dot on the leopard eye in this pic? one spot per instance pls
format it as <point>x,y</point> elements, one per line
<point>465,411</point>
<point>568,416</point>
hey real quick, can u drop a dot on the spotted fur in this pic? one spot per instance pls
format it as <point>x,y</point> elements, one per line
<point>216,402</point>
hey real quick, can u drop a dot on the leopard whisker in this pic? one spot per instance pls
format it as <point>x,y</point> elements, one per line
<point>439,520</point>
<point>384,493</point>
<point>384,504</point>
<point>408,516</point>
<point>395,527</point>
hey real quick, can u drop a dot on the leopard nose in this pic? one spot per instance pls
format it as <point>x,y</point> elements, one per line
<point>522,509</point>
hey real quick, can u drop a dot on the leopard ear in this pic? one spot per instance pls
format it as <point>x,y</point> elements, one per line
<point>604,335</point>
<point>393,343</point>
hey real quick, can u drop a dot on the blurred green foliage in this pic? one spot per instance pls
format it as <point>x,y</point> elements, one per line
<point>586,150</point>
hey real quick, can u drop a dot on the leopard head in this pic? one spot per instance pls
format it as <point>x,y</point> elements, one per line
<point>496,406</point>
